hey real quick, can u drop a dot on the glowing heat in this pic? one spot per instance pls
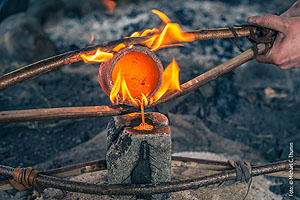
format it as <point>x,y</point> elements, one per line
<point>99,56</point>
<point>143,125</point>
<point>135,76</point>
<point>110,5</point>
<point>170,34</point>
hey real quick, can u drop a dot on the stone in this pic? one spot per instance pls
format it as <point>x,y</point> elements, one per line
<point>139,156</point>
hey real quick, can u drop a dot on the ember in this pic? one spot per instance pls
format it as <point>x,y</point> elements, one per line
<point>110,4</point>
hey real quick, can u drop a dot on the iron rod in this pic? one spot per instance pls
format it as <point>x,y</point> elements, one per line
<point>97,165</point>
<point>147,189</point>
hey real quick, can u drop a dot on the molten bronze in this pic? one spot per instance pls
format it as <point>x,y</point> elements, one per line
<point>141,69</point>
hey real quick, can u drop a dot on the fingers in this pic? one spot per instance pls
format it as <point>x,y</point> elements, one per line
<point>264,59</point>
<point>274,22</point>
<point>293,11</point>
<point>289,65</point>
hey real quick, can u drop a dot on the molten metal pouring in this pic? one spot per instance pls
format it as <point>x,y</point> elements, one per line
<point>143,125</point>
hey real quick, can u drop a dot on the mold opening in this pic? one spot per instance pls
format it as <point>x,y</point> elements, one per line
<point>137,121</point>
<point>140,73</point>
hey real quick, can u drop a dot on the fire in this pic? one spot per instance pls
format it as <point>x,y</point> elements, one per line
<point>136,83</point>
<point>119,47</point>
<point>170,80</point>
<point>110,5</point>
<point>120,86</point>
<point>92,38</point>
<point>135,76</point>
<point>162,16</point>
<point>99,56</point>
<point>171,33</point>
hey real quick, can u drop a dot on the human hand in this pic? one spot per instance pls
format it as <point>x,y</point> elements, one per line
<point>285,52</point>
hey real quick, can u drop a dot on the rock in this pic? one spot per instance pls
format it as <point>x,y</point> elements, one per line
<point>51,193</point>
<point>260,76</point>
<point>22,39</point>
<point>189,133</point>
<point>207,91</point>
<point>4,195</point>
<point>21,195</point>
<point>92,149</point>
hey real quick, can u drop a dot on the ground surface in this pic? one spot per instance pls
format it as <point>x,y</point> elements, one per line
<point>252,112</point>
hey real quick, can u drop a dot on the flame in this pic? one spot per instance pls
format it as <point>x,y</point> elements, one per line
<point>110,4</point>
<point>99,56</point>
<point>92,38</point>
<point>119,47</point>
<point>131,85</point>
<point>162,16</point>
<point>134,77</point>
<point>120,86</point>
<point>170,81</point>
<point>171,33</point>
<point>132,114</point>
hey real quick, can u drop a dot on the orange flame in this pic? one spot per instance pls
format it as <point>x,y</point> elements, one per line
<point>143,80</point>
<point>171,33</point>
<point>92,38</point>
<point>99,56</point>
<point>137,82</point>
<point>119,47</point>
<point>162,16</point>
<point>170,81</point>
<point>120,86</point>
<point>110,4</point>
<point>135,76</point>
